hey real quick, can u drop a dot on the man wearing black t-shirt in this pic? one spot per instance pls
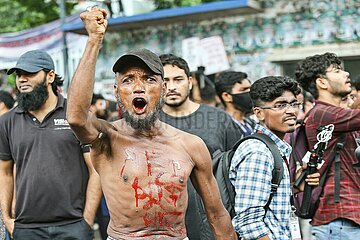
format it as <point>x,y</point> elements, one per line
<point>57,188</point>
<point>214,126</point>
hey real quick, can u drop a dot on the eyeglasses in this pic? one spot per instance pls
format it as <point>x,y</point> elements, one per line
<point>352,96</point>
<point>282,106</point>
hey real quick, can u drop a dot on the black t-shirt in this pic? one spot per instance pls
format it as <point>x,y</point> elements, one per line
<point>51,173</point>
<point>213,125</point>
<point>217,129</point>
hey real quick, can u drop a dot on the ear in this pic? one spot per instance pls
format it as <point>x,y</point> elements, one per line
<point>51,76</point>
<point>116,92</point>
<point>322,83</point>
<point>259,113</point>
<point>2,105</point>
<point>191,82</point>
<point>164,87</point>
<point>226,97</point>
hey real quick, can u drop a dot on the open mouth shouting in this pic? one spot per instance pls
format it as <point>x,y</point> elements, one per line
<point>139,105</point>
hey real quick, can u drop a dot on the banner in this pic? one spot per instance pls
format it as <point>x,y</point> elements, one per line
<point>47,37</point>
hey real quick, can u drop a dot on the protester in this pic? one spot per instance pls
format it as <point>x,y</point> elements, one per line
<point>233,90</point>
<point>98,106</point>
<point>338,215</point>
<point>208,95</point>
<point>355,93</point>
<point>6,102</point>
<point>52,177</point>
<point>252,164</point>
<point>144,164</point>
<point>2,227</point>
<point>211,124</point>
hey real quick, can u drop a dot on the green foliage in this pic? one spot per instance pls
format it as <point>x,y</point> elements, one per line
<point>11,81</point>
<point>163,4</point>
<point>18,15</point>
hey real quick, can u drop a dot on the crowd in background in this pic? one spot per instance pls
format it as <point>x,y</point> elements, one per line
<point>218,109</point>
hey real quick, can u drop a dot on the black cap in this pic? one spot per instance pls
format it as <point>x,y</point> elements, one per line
<point>33,61</point>
<point>149,58</point>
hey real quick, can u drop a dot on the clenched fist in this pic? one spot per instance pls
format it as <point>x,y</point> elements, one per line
<point>95,22</point>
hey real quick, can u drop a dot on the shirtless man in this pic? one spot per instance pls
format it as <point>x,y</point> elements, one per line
<point>144,164</point>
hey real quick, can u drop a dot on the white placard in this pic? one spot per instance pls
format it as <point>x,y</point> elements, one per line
<point>208,52</point>
<point>191,52</point>
<point>214,57</point>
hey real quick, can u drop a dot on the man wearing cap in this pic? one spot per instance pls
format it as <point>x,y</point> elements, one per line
<point>57,188</point>
<point>144,164</point>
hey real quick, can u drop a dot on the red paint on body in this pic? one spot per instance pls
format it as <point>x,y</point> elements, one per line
<point>148,163</point>
<point>154,199</point>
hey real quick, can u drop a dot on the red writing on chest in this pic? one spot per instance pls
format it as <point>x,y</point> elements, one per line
<point>153,197</point>
<point>159,198</point>
<point>148,164</point>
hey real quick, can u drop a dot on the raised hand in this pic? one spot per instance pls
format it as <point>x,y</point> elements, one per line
<point>95,22</point>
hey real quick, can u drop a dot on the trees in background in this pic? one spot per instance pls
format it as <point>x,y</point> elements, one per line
<point>17,15</point>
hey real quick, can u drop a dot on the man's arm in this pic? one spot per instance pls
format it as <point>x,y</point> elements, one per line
<point>252,181</point>
<point>93,192</point>
<point>80,92</point>
<point>205,184</point>
<point>6,194</point>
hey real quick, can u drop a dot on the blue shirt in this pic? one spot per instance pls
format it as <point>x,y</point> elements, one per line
<point>251,174</point>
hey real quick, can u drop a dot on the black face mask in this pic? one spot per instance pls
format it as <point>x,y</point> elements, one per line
<point>242,102</point>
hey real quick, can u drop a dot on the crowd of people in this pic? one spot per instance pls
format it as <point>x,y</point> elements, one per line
<point>144,171</point>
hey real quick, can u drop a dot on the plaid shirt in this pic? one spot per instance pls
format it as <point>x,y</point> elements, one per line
<point>251,174</point>
<point>346,122</point>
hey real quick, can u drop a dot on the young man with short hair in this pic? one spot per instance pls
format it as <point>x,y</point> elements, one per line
<point>211,124</point>
<point>252,164</point>
<point>233,90</point>
<point>338,214</point>
<point>6,102</point>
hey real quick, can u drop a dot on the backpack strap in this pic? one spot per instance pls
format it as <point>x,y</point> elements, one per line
<point>278,170</point>
<point>302,123</point>
<point>229,186</point>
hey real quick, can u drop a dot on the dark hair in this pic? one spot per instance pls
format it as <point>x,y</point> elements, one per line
<point>208,92</point>
<point>96,97</point>
<point>173,60</point>
<point>267,89</point>
<point>7,99</point>
<point>313,67</point>
<point>58,82</point>
<point>356,82</point>
<point>225,81</point>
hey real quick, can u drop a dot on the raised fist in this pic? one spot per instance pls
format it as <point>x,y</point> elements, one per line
<point>95,21</point>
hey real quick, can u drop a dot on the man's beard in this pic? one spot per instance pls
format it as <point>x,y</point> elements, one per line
<point>142,123</point>
<point>178,104</point>
<point>33,100</point>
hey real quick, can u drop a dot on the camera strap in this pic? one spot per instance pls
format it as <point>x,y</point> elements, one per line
<point>338,148</point>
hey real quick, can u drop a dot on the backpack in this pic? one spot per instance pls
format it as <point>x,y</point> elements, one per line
<point>305,207</point>
<point>221,164</point>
